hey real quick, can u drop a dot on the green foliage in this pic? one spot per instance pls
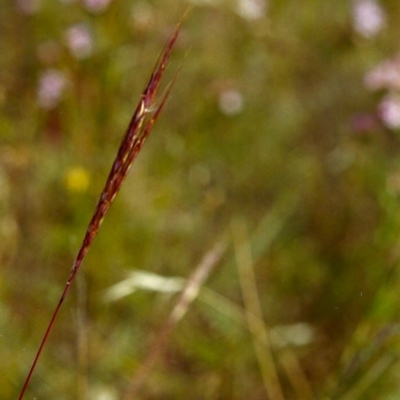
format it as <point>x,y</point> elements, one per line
<point>276,121</point>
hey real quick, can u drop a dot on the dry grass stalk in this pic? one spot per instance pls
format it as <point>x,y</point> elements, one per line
<point>187,295</point>
<point>252,304</point>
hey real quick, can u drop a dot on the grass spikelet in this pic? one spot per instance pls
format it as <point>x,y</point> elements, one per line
<point>143,119</point>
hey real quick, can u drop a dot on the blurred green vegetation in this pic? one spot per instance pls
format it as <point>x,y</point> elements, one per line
<point>272,126</point>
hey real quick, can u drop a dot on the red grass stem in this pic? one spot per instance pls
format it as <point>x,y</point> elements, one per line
<point>138,130</point>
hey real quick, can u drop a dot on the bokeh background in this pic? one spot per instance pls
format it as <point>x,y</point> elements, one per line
<point>281,134</point>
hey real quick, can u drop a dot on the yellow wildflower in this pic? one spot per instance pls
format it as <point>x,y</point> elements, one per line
<point>77,179</point>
